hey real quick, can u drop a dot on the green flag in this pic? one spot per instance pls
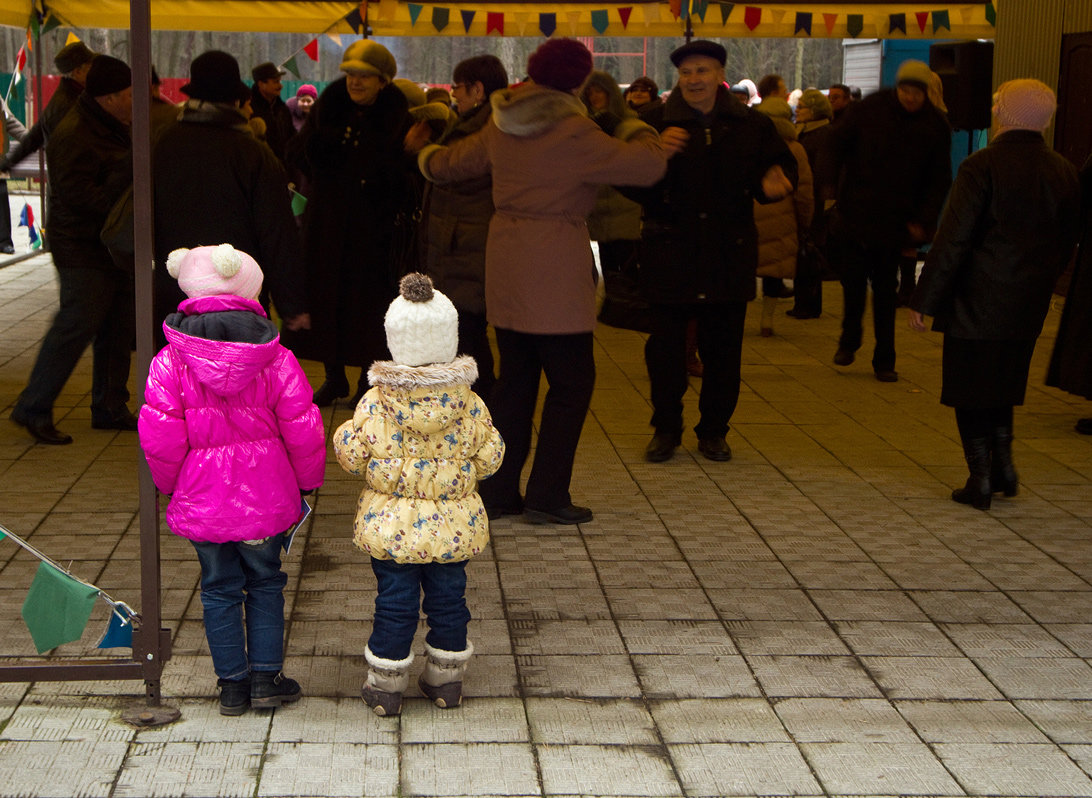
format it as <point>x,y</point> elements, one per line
<point>57,608</point>
<point>51,22</point>
<point>299,202</point>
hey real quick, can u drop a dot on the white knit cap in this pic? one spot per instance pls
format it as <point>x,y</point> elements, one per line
<point>211,271</point>
<point>1024,104</point>
<point>422,325</point>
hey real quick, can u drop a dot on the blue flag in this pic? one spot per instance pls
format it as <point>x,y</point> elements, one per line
<point>119,633</point>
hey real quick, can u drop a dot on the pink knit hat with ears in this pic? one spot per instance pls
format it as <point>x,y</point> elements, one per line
<point>212,271</point>
<point>1024,104</point>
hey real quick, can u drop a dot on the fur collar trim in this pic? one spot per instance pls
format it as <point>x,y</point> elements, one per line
<point>530,110</point>
<point>463,370</point>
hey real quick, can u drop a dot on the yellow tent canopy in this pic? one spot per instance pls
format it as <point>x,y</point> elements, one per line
<point>707,18</point>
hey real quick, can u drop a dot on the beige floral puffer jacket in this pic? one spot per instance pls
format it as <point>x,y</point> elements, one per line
<point>421,439</point>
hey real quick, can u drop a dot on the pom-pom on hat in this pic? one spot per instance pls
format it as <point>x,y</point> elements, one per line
<point>914,72</point>
<point>422,325</point>
<point>369,57</point>
<point>212,271</point>
<point>562,64</point>
<point>1024,104</point>
<point>108,75</point>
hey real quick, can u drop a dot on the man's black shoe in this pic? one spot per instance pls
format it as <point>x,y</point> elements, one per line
<point>799,314</point>
<point>887,375</point>
<point>269,690</point>
<point>572,514</point>
<point>7,249</point>
<point>661,447</point>
<point>328,392</point>
<point>844,357</point>
<point>41,428</point>
<point>123,421</point>
<point>234,696</point>
<point>715,449</point>
<point>1084,426</point>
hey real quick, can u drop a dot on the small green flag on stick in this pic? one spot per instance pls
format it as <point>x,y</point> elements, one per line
<point>57,608</point>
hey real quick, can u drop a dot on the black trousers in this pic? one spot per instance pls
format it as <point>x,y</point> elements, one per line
<point>569,365</point>
<point>5,215</point>
<point>474,341</point>
<point>720,347</point>
<point>858,265</point>
<point>97,308</point>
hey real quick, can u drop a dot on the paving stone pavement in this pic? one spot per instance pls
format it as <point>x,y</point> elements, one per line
<point>815,617</point>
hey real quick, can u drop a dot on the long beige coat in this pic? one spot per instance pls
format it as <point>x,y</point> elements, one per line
<point>780,222</point>
<point>548,161</point>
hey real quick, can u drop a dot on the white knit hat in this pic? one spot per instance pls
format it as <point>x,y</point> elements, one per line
<point>422,325</point>
<point>211,271</point>
<point>1024,104</point>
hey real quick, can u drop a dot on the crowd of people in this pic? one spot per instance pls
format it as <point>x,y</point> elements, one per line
<point>432,217</point>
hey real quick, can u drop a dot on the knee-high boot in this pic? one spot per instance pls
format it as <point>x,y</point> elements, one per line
<point>977,490</point>
<point>1003,478</point>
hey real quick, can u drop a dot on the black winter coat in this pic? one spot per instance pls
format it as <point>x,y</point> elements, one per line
<point>68,91</point>
<point>895,169</point>
<point>361,194</point>
<point>214,183</point>
<point>699,242</point>
<point>1007,234</point>
<point>455,226</point>
<point>90,166</point>
<point>1071,362</point>
<point>279,127</point>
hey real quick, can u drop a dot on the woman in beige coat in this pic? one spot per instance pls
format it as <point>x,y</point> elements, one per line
<point>782,223</point>
<point>547,159</point>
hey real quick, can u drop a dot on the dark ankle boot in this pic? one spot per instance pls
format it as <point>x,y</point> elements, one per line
<point>272,689</point>
<point>977,491</point>
<point>1003,478</point>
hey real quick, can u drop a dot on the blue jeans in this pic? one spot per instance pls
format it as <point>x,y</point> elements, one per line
<point>398,606</point>
<point>234,575</point>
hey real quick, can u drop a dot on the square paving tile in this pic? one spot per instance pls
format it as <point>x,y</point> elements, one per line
<point>1062,721</point>
<point>606,676</point>
<point>723,769</point>
<point>606,770</point>
<point>328,769</point>
<point>930,677</point>
<point>474,769</point>
<point>707,676</point>
<point>895,639</point>
<point>970,722</point>
<point>879,769</point>
<point>676,637</point>
<point>786,637</point>
<point>816,676</point>
<point>570,721</point>
<point>843,720</point>
<point>1045,677</point>
<point>652,603</point>
<point>62,769</point>
<point>227,770</point>
<point>718,720</point>
<point>477,720</point>
<point>1014,769</point>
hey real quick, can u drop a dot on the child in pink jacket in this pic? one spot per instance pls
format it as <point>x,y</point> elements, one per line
<point>232,436</point>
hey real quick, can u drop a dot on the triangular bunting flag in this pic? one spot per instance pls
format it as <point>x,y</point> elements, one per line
<point>725,12</point>
<point>312,50</point>
<point>651,13</point>
<point>600,21</point>
<point>414,12</point>
<point>334,37</point>
<point>854,24</point>
<point>803,23</point>
<point>440,18</point>
<point>752,17</point>
<point>34,24</point>
<point>623,14</point>
<point>119,632</point>
<point>923,18</point>
<point>30,41</point>
<point>57,608</point>
<point>299,203</point>
<point>388,9</point>
<point>896,22</point>
<point>699,8</point>
<point>676,8</point>
<point>547,23</point>
<point>991,14</point>
<point>684,9</point>
<point>356,22</point>
<point>940,20</point>
<point>494,21</point>
<point>292,66</point>
<point>522,19</point>
<point>72,37</point>
<point>468,19</point>
<point>574,21</point>
<point>52,22</point>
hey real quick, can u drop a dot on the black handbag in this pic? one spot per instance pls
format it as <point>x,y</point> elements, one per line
<point>624,306</point>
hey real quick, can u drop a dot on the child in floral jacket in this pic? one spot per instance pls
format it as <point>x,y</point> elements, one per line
<point>421,439</point>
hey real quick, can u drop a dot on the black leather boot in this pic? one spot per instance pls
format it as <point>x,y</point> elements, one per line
<point>1003,478</point>
<point>977,491</point>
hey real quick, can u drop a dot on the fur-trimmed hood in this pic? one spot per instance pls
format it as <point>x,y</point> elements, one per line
<point>423,398</point>
<point>530,110</point>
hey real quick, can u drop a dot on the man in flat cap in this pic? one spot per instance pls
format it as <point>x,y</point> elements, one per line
<point>266,102</point>
<point>699,248</point>
<point>90,167</point>
<point>893,153</point>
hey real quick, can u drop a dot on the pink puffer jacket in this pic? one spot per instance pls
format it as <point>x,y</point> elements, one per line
<point>228,425</point>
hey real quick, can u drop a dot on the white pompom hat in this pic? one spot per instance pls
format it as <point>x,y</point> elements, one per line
<point>211,271</point>
<point>422,325</point>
